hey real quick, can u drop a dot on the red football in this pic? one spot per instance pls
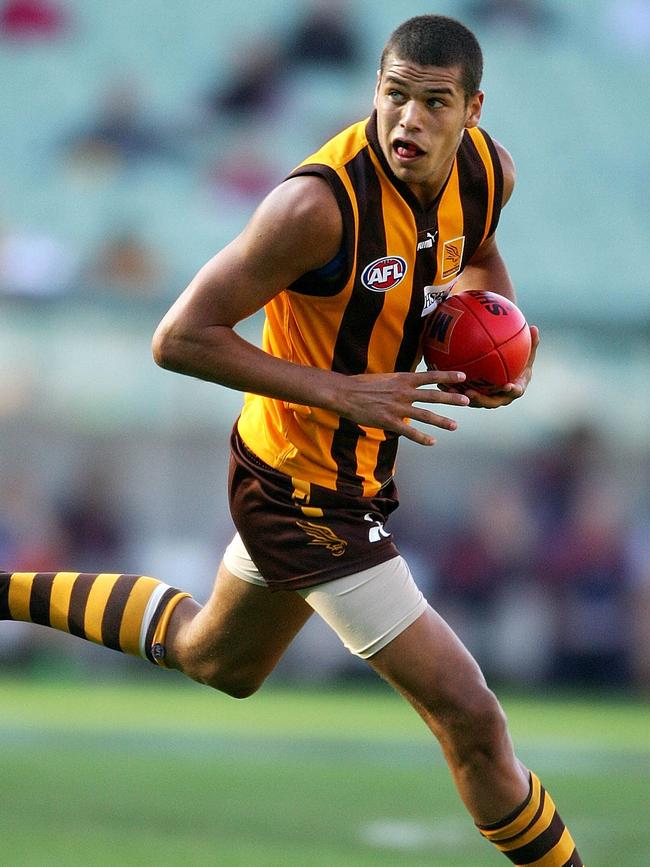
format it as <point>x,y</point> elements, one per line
<point>480,333</point>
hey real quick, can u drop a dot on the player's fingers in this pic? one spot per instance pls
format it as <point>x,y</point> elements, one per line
<point>495,399</point>
<point>452,389</point>
<point>417,436</point>
<point>441,395</point>
<point>478,400</point>
<point>432,418</point>
<point>435,377</point>
<point>534,343</point>
<point>408,430</point>
<point>510,390</point>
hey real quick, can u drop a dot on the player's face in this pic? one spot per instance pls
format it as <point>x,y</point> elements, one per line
<point>421,114</point>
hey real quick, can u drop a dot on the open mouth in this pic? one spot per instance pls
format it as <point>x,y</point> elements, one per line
<point>406,150</point>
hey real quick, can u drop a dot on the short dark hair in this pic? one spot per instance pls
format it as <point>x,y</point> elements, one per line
<point>435,40</point>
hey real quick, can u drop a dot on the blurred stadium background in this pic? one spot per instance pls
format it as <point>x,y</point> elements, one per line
<point>136,140</point>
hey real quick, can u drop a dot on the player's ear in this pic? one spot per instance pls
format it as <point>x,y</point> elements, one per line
<point>374,101</point>
<point>473,109</point>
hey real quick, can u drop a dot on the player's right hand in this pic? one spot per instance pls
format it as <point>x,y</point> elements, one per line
<point>387,401</point>
<point>512,390</point>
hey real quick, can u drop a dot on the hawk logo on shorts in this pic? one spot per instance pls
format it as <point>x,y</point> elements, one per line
<point>321,535</point>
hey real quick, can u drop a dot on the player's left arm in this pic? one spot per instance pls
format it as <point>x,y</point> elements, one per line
<point>488,271</point>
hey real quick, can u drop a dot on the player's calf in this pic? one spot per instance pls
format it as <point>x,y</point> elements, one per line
<point>472,729</point>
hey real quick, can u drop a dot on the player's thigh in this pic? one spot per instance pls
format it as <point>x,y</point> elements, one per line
<point>429,664</point>
<point>245,626</point>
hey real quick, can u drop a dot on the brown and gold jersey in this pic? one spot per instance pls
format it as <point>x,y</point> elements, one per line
<point>367,315</point>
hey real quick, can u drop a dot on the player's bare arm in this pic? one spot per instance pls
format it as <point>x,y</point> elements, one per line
<point>488,271</point>
<point>297,229</point>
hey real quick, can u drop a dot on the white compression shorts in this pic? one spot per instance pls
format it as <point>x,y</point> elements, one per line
<point>367,610</point>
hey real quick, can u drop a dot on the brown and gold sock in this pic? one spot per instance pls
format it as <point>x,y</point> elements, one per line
<point>129,613</point>
<point>534,834</point>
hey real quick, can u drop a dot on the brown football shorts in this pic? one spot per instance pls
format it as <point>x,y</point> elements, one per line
<point>300,534</point>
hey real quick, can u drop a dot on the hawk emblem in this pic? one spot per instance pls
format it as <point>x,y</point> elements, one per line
<point>322,535</point>
<point>452,257</point>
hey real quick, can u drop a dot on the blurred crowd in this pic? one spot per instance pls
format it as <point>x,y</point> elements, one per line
<point>217,141</point>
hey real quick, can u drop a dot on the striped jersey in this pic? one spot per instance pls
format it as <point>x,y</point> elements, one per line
<point>398,260</point>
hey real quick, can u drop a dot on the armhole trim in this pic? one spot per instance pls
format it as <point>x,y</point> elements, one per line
<point>332,277</point>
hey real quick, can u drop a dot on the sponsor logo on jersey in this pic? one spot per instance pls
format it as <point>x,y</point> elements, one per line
<point>435,295</point>
<point>429,240</point>
<point>384,274</point>
<point>321,535</point>
<point>452,257</point>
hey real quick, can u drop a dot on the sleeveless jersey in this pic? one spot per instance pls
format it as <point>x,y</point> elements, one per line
<point>399,260</point>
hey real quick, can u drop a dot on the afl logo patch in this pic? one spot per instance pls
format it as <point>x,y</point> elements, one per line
<point>383,274</point>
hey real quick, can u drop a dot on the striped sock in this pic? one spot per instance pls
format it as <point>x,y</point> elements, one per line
<point>129,613</point>
<point>534,834</point>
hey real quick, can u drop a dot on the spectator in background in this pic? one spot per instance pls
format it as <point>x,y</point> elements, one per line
<point>557,473</point>
<point>581,557</point>
<point>126,264</point>
<point>323,36</point>
<point>638,563</point>
<point>30,532</point>
<point>35,264</point>
<point>584,567</point>
<point>483,558</point>
<point>8,540</point>
<point>629,21</point>
<point>32,19</point>
<point>90,521</point>
<point>35,529</point>
<point>530,16</point>
<point>121,135</point>
<point>245,173</point>
<point>73,530</point>
<point>254,87</point>
<point>491,547</point>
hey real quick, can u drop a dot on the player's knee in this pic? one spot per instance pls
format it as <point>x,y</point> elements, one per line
<point>476,727</point>
<point>236,688</point>
<point>235,681</point>
<point>231,684</point>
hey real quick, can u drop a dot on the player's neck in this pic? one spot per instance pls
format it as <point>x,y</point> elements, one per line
<point>428,191</point>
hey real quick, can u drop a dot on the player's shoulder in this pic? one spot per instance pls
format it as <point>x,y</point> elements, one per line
<point>491,152</point>
<point>503,155</point>
<point>340,149</point>
<point>508,169</point>
<point>300,215</point>
<point>302,200</point>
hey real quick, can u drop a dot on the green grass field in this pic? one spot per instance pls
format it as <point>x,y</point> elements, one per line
<point>169,773</point>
